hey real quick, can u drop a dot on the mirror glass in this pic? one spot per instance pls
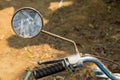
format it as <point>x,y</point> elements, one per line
<point>27,22</point>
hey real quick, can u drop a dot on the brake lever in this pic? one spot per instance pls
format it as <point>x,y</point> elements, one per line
<point>50,62</point>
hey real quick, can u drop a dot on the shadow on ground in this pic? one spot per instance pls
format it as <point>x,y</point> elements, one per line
<point>94,25</point>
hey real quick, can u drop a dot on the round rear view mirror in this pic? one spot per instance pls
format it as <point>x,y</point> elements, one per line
<point>27,22</point>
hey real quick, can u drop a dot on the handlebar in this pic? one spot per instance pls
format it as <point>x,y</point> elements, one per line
<point>100,65</point>
<point>72,62</point>
<point>52,69</point>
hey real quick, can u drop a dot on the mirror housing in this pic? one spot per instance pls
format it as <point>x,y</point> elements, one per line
<point>27,22</point>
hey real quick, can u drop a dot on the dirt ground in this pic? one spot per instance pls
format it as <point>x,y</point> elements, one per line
<point>93,24</point>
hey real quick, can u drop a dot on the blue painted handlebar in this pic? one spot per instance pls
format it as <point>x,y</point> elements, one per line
<point>100,65</point>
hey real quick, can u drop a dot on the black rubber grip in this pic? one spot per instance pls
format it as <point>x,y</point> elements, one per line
<point>52,69</point>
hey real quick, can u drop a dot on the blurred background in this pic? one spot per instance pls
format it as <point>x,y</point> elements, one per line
<point>93,24</point>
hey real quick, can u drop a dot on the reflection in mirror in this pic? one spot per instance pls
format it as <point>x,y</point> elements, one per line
<point>27,22</point>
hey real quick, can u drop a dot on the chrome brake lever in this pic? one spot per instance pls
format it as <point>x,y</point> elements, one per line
<point>50,62</point>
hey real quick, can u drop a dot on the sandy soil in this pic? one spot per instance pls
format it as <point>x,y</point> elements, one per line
<point>94,25</point>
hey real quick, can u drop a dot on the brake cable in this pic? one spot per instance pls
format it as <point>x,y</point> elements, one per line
<point>108,60</point>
